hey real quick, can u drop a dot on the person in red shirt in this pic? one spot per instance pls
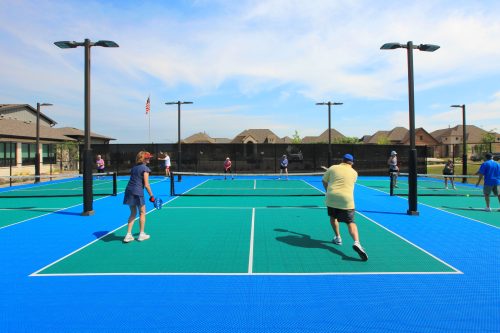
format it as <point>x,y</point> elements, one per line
<point>227,167</point>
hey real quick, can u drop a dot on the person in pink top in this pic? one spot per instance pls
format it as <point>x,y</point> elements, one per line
<point>100,164</point>
<point>227,167</point>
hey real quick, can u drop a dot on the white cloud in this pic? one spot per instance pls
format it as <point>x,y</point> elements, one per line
<point>286,50</point>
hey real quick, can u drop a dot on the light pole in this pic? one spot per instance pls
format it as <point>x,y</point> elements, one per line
<point>329,128</point>
<point>412,178</point>
<point>179,159</point>
<point>87,150</point>
<point>464,141</point>
<point>37,152</point>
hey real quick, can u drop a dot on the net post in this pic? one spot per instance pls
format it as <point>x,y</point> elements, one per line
<point>392,184</point>
<point>172,181</point>
<point>115,183</point>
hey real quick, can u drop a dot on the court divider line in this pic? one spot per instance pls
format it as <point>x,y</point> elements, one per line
<point>252,234</point>
<point>314,187</point>
<point>411,243</point>
<point>427,205</point>
<point>61,209</point>
<point>88,244</point>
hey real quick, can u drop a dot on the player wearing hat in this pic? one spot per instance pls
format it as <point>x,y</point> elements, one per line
<point>283,166</point>
<point>338,182</point>
<point>392,162</point>
<point>134,195</point>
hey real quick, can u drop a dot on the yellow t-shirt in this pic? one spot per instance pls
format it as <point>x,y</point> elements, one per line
<point>340,190</point>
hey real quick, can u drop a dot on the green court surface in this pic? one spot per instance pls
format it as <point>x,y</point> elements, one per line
<point>467,200</point>
<point>246,235</point>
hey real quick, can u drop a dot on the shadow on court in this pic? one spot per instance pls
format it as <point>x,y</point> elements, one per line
<point>109,238</point>
<point>303,240</point>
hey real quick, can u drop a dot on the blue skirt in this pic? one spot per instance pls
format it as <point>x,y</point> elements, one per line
<point>131,199</point>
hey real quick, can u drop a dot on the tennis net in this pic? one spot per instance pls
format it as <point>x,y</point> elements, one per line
<point>220,184</point>
<point>70,185</point>
<point>437,185</point>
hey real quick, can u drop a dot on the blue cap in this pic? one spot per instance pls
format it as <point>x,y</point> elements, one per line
<point>348,157</point>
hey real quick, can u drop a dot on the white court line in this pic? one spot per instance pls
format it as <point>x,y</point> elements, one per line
<point>87,245</point>
<point>80,204</point>
<point>252,233</point>
<point>250,264</point>
<point>244,274</point>
<point>437,208</point>
<point>414,245</point>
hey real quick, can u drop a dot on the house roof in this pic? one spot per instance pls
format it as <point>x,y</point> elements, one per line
<point>17,129</point>
<point>396,135</point>
<point>4,108</point>
<point>323,137</point>
<point>79,134</point>
<point>260,135</point>
<point>199,138</point>
<point>474,133</point>
<point>428,139</point>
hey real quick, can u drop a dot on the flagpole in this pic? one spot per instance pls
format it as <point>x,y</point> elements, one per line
<point>148,112</point>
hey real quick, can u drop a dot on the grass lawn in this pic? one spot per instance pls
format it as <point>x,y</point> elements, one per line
<point>472,168</point>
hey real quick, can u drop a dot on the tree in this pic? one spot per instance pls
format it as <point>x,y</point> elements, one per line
<point>296,137</point>
<point>485,145</point>
<point>346,139</point>
<point>383,140</point>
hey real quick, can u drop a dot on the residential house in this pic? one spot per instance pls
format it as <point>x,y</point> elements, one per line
<point>18,127</point>
<point>323,137</point>
<point>393,137</point>
<point>256,136</point>
<point>451,140</point>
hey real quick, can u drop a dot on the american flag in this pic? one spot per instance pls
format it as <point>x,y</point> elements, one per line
<point>148,106</point>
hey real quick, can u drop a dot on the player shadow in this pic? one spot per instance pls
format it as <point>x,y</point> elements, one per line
<point>42,210</point>
<point>107,238</point>
<point>303,240</point>
<point>480,209</point>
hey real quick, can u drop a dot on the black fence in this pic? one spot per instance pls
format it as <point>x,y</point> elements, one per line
<point>258,158</point>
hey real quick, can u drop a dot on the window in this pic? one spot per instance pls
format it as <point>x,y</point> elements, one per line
<point>7,154</point>
<point>421,137</point>
<point>28,153</point>
<point>48,154</point>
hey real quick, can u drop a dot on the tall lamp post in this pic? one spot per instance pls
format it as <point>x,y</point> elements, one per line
<point>87,150</point>
<point>412,178</point>
<point>464,141</point>
<point>329,128</point>
<point>179,159</point>
<point>37,152</point>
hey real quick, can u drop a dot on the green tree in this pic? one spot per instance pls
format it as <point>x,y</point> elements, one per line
<point>383,140</point>
<point>347,139</point>
<point>296,137</point>
<point>485,145</point>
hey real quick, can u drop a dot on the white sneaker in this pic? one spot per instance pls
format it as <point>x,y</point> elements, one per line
<point>129,238</point>
<point>487,209</point>
<point>358,248</point>
<point>446,187</point>
<point>337,240</point>
<point>143,237</point>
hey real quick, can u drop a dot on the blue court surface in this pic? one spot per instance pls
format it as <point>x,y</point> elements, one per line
<point>249,264</point>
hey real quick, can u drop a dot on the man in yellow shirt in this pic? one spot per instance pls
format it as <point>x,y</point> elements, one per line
<point>338,182</point>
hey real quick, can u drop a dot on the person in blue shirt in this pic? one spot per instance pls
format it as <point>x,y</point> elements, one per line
<point>134,195</point>
<point>490,170</point>
<point>284,166</point>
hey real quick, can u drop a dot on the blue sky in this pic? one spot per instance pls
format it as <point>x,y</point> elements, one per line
<point>253,64</point>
